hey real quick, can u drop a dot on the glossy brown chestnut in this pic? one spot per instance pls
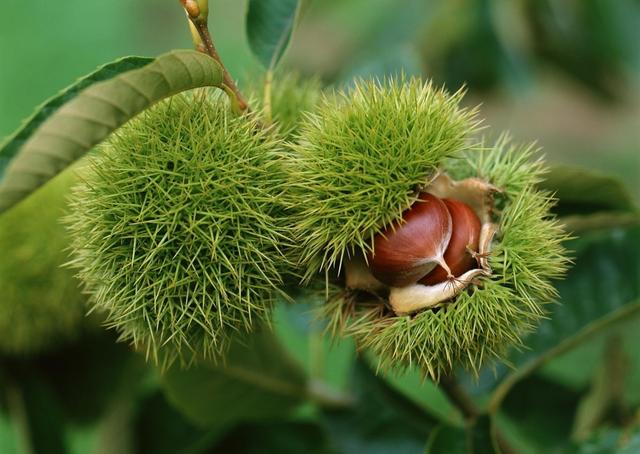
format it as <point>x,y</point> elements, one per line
<point>464,237</point>
<point>406,251</point>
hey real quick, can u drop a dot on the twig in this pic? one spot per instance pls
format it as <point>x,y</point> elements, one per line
<point>459,397</point>
<point>18,415</point>
<point>268,81</point>
<point>198,17</point>
<point>470,410</point>
<point>324,396</point>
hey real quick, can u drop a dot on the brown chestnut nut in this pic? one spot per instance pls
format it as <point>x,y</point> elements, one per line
<point>409,249</point>
<point>465,237</point>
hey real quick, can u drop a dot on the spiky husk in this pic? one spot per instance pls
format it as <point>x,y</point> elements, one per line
<point>292,96</point>
<point>176,229</point>
<point>360,158</point>
<point>482,323</point>
<point>41,305</point>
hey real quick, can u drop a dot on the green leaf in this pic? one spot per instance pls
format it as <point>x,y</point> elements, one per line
<point>161,429</point>
<point>476,438</point>
<point>590,200</point>
<point>258,381</point>
<point>425,393</point>
<point>303,336</point>
<point>270,24</point>
<point>447,439</point>
<point>8,436</point>
<point>575,368</point>
<point>276,437</point>
<point>602,288</point>
<point>584,191</point>
<point>36,414</point>
<point>580,223</point>
<point>12,144</point>
<point>538,414</point>
<point>612,441</point>
<point>86,376</point>
<point>93,114</point>
<point>607,391</point>
<point>381,420</point>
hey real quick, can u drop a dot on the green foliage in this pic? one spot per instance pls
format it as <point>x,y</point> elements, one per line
<point>380,421</point>
<point>43,421</point>
<point>89,116</point>
<point>88,374</point>
<point>612,441</point>
<point>484,323</point>
<point>292,96</point>
<point>475,438</point>
<point>176,229</point>
<point>581,191</point>
<point>599,291</point>
<point>40,302</point>
<point>162,429</point>
<point>258,381</point>
<point>270,24</point>
<point>575,368</point>
<point>12,144</point>
<point>276,437</point>
<point>537,428</point>
<point>590,200</point>
<point>359,159</point>
<point>66,400</point>
<point>487,45</point>
<point>301,334</point>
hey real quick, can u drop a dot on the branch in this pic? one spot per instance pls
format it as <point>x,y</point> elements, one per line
<point>324,396</point>
<point>459,397</point>
<point>470,411</point>
<point>197,12</point>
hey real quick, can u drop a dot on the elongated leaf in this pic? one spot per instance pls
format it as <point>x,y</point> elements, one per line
<point>424,393</point>
<point>96,112</point>
<point>584,191</point>
<point>590,200</point>
<point>602,288</point>
<point>302,335</point>
<point>259,381</point>
<point>8,436</point>
<point>607,390</point>
<point>37,415</point>
<point>449,439</point>
<point>575,368</point>
<point>476,438</point>
<point>276,437</point>
<point>12,144</point>
<point>381,420</point>
<point>538,414</point>
<point>612,441</point>
<point>270,24</point>
<point>161,429</point>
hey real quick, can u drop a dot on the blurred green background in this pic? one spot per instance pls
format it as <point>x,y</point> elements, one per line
<point>563,72</point>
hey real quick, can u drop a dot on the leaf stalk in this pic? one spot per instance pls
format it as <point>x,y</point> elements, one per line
<point>197,13</point>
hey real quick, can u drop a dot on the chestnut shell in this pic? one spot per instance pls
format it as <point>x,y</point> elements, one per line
<point>409,249</point>
<point>465,236</point>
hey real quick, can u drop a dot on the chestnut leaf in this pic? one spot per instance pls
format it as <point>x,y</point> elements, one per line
<point>13,143</point>
<point>600,290</point>
<point>53,140</point>
<point>270,24</point>
<point>258,381</point>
